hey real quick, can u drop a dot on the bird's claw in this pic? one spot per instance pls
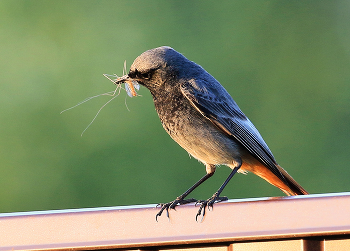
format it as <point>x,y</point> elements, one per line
<point>208,204</point>
<point>171,205</point>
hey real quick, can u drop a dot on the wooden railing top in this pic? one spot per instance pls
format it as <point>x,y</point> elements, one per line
<point>135,226</point>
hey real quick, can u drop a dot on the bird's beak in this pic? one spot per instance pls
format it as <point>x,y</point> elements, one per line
<point>130,84</point>
<point>122,79</point>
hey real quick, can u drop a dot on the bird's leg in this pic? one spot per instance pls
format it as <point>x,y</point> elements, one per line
<point>181,199</point>
<point>216,196</point>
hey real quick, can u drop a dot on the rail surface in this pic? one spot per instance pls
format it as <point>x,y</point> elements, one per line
<point>308,222</point>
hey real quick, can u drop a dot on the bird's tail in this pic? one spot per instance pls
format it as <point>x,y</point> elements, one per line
<point>294,187</point>
<point>286,183</point>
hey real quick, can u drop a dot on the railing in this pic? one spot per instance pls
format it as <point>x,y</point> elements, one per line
<point>310,222</point>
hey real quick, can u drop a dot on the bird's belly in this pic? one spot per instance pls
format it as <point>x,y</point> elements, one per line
<point>205,142</point>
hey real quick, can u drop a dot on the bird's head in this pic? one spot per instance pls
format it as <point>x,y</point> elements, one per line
<point>157,66</point>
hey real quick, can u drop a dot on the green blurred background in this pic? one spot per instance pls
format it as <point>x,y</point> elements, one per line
<point>286,63</point>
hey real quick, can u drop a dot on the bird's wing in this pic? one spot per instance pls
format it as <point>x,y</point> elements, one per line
<point>214,102</point>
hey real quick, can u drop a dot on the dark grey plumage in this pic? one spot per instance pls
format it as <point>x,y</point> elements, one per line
<point>200,115</point>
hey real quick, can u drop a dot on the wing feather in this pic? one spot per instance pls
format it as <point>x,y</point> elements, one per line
<point>214,102</point>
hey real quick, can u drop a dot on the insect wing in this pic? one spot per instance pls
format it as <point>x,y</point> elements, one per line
<point>128,90</point>
<point>136,85</point>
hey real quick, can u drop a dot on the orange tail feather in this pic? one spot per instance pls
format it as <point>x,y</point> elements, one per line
<point>288,185</point>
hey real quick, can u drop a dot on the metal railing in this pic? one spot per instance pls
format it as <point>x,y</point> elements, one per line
<point>309,222</point>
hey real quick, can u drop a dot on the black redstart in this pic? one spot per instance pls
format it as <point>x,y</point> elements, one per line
<point>200,115</point>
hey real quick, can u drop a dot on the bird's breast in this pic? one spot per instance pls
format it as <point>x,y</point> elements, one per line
<point>194,132</point>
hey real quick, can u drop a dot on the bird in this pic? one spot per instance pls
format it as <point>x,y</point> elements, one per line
<point>201,116</point>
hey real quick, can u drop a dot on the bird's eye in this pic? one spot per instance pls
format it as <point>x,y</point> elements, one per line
<point>133,74</point>
<point>146,75</point>
<point>141,75</point>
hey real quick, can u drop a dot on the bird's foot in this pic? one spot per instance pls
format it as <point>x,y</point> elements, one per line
<point>172,204</point>
<point>209,204</point>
